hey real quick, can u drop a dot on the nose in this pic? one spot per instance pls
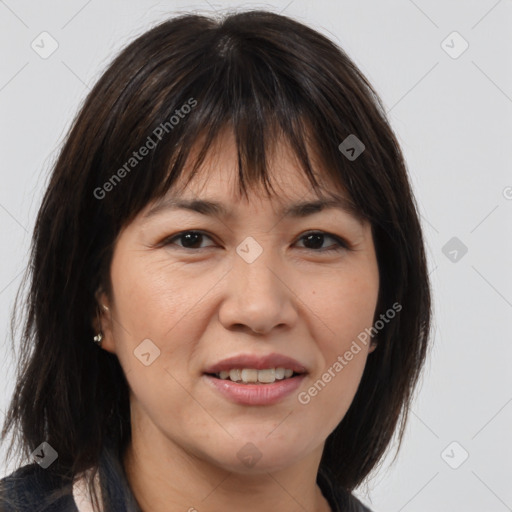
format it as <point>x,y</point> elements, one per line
<point>258,298</point>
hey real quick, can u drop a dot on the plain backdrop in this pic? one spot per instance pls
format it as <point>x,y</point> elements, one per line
<point>451,107</point>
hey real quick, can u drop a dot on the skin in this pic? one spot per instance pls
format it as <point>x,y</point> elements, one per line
<point>202,305</point>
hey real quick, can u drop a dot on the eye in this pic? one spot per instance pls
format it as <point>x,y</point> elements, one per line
<point>190,239</point>
<point>314,240</point>
<point>317,238</point>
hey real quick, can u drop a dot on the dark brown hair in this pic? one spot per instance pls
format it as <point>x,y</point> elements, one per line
<point>261,75</point>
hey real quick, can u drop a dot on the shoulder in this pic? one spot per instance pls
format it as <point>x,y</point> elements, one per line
<point>339,498</point>
<point>355,505</point>
<point>33,489</point>
<point>348,502</point>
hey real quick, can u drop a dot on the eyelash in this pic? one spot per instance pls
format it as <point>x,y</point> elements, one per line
<point>342,245</point>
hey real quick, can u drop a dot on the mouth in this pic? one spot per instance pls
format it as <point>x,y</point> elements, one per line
<point>258,393</point>
<point>254,376</point>
<point>256,380</point>
<point>249,379</point>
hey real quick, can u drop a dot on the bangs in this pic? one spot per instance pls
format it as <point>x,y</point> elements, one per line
<point>255,152</point>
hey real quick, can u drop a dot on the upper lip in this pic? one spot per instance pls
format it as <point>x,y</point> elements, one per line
<point>257,362</point>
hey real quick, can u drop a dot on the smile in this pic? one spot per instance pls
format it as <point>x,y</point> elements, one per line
<point>251,375</point>
<point>255,394</point>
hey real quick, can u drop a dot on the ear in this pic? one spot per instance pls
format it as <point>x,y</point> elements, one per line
<point>373,346</point>
<point>103,320</point>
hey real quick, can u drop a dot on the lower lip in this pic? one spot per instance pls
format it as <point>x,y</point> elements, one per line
<point>256,394</point>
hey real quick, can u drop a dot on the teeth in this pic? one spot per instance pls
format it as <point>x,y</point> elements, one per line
<point>280,373</point>
<point>266,375</point>
<point>251,376</point>
<point>234,375</point>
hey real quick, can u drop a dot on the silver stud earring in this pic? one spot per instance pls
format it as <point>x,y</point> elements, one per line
<point>99,337</point>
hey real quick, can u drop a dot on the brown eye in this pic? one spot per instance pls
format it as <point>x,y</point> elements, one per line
<point>189,239</point>
<point>314,241</point>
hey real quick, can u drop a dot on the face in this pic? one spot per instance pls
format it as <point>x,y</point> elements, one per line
<point>249,289</point>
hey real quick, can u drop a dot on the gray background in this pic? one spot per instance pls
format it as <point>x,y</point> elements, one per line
<point>453,119</point>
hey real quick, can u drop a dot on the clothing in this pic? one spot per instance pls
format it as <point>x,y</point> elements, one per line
<point>33,489</point>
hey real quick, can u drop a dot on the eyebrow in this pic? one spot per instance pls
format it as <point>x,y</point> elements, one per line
<point>219,210</point>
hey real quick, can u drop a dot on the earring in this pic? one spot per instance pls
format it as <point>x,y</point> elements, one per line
<point>99,337</point>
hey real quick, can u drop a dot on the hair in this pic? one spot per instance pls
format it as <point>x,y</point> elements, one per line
<point>261,75</point>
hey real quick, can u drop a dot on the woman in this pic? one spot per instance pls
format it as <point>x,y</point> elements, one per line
<point>229,302</point>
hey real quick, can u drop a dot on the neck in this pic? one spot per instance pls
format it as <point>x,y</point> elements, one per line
<point>164,477</point>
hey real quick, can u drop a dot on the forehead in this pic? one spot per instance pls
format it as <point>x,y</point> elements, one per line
<point>218,174</point>
<point>213,189</point>
<point>216,181</point>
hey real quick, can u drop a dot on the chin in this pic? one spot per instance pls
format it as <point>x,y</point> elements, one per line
<point>259,456</point>
<point>262,466</point>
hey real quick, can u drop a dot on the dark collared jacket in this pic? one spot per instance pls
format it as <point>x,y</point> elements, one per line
<point>33,489</point>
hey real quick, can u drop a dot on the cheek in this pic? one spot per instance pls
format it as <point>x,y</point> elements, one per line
<point>345,306</point>
<point>345,309</point>
<point>331,390</point>
<point>165,303</point>
<point>329,395</point>
<point>155,295</point>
